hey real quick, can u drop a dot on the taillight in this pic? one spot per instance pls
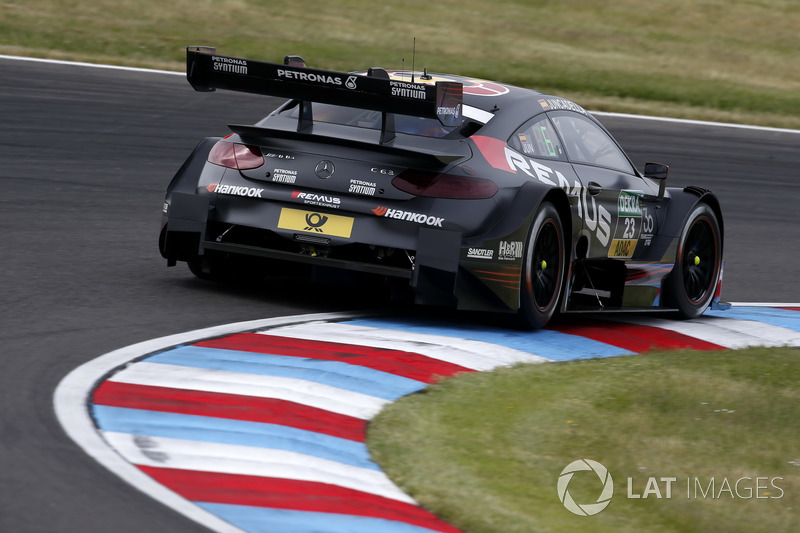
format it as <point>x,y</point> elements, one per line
<point>235,155</point>
<point>433,185</point>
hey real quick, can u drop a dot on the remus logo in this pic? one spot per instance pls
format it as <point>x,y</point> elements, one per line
<point>586,509</point>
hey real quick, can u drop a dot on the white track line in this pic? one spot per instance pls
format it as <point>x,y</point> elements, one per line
<point>70,404</point>
<point>598,113</point>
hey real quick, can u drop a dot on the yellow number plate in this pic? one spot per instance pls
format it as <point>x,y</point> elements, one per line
<point>316,223</point>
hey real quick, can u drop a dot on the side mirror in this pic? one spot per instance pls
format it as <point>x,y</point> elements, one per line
<point>658,172</point>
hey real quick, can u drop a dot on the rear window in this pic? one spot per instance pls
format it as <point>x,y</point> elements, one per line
<point>364,118</point>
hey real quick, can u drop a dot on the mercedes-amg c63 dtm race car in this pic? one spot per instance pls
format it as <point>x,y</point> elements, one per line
<point>473,194</point>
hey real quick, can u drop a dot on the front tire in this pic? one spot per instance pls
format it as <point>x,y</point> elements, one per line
<point>543,268</point>
<point>691,285</point>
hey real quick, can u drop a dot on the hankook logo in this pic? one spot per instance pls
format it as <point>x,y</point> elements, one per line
<point>324,169</point>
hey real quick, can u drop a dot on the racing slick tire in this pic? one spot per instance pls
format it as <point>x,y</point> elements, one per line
<point>543,268</point>
<point>691,285</point>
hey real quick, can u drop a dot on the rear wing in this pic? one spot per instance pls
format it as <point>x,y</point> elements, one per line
<point>207,71</point>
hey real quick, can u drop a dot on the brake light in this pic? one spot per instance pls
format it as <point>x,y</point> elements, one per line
<point>433,185</point>
<point>235,155</point>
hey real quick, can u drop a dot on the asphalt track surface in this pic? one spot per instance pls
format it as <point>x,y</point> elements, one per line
<point>85,155</point>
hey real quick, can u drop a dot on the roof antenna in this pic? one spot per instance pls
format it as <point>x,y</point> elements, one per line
<point>413,58</point>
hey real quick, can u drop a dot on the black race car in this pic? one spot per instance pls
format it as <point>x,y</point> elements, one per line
<point>471,193</point>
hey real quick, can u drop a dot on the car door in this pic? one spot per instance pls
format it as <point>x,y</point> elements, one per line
<point>614,200</point>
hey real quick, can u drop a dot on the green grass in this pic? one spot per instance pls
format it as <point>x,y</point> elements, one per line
<point>726,60</point>
<point>484,451</point>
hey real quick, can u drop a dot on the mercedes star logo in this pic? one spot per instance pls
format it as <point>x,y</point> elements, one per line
<point>324,169</point>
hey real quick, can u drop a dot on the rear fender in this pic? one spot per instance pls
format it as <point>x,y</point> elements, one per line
<point>185,212</point>
<point>185,180</point>
<point>494,284</point>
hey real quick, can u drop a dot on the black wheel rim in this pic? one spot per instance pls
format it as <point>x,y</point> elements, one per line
<point>699,260</point>
<point>546,266</point>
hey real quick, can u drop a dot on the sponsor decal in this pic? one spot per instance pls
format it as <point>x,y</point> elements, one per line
<point>622,248</point>
<point>317,223</point>
<point>366,188</point>
<point>629,203</point>
<point>235,190</point>
<point>595,216</point>
<point>229,64</point>
<point>480,253</point>
<point>317,199</point>
<point>408,90</point>
<point>472,86</point>
<point>648,227</point>
<point>283,175</point>
<point>510,250</point>
<point>316,77</point>
<point>629,224</point>
<point>554,104</point>
<point>399,214</point>
<point>454,112</point>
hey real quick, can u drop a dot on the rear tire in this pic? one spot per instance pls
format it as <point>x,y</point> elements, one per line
<point>692,283</point>
<point>543,268</point>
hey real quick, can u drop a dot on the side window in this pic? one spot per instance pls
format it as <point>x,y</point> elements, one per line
<point>537,138</point>
<point>586,142</point>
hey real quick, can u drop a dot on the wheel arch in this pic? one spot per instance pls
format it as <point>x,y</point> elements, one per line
<point>692,199</point>
<point>686,199</point>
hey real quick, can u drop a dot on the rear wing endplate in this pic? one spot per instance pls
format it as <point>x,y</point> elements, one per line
<point>207,71</point>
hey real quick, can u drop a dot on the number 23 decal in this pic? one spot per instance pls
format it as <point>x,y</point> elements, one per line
<point>630,228</point>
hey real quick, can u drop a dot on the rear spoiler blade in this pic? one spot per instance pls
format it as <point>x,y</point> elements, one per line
<point>422,152</point>
<point>207,71</point>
